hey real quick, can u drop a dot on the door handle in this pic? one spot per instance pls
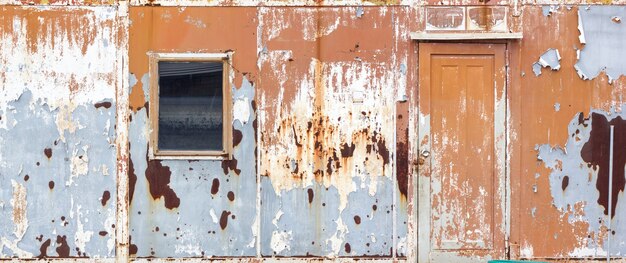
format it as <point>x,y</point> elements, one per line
<point>421,159</point>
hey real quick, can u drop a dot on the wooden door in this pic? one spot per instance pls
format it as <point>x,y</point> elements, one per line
<point>462,106</point>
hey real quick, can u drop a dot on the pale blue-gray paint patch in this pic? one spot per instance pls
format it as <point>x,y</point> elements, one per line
<point>604,42</point>
<point>32,129</point>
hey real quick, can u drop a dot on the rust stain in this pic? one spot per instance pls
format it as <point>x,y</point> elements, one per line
<point>104,104</point>
<point>347,150</point>
<point>230,165</point>
<point>215,186</point>
<point>159,179</point>
<point>132,178</point>
<point>596,153</point>
<point>51,185</point>
<point>231,196</point>
<point>565,182</point>
<point>62,248</point>
<point>103,233</point>
<point>106,195</point>
<point>132,249</point>
<point>48,152</point>
<point>43,250</point>
<point>237,137</point>
<point>310,195</point>
<point>224,219</point>
<point>402,164</point>
<point>347,248</point>
<point>357,220</point>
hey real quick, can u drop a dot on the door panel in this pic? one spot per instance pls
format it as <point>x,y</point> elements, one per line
<point>461,192</point>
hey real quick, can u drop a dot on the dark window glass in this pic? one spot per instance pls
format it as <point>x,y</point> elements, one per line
<point>190,106</point>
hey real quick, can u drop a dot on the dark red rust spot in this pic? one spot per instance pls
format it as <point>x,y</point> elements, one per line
<point>62,248</point>
<point>26,177</point>
<point>103,233</point>
<point>159,179</point>
<point>237,137</point>
<point>106,195</point>
<point>230,165</point>
<point>402,172</point>
<point>310,194</point>
<point>51,185</point>
<point>147,106</point>
<point>43,250</point>
<point>132,177</point>
<point>347,248</point>
<point>565,182</point>
<point>596,152</point>
<point>224,219</point>
<point>231,196</point>
<point>48,152</point>
<point>374,207</point>
<point>104,104</point>
<point>255,126</point>
<point>383,151</point>
<point>347,150</point>
<point>357,220</point>
<point>295,136</point>
<point>329,166</point>
<point>132,249</point>
<point>215,187</point>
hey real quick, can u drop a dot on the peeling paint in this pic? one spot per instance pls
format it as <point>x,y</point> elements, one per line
<point>602,47</point>
<point>551,58</point>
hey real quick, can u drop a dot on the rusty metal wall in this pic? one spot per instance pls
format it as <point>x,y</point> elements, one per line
<point>57,131</point>
<point>324,142</point>
<point>566,107</point>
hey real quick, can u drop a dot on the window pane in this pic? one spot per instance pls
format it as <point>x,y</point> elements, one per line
<point>190,106</point>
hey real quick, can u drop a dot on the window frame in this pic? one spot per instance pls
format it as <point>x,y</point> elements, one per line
<point>153,65</point>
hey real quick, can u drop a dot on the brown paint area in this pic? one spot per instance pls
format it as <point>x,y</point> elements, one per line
<point>159,179</point>
<point>48,152</point>
<point>215,186</point>
<point>224,219</point>
<point>596,152</point>
<point>48,26</point>
<point>104,104</point>
<point>43,250</point>
<point>62,248</point>
<point>106,195</point>
<point>167,29</point>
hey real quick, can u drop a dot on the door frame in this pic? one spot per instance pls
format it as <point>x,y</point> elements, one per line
<point>501,143</point>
